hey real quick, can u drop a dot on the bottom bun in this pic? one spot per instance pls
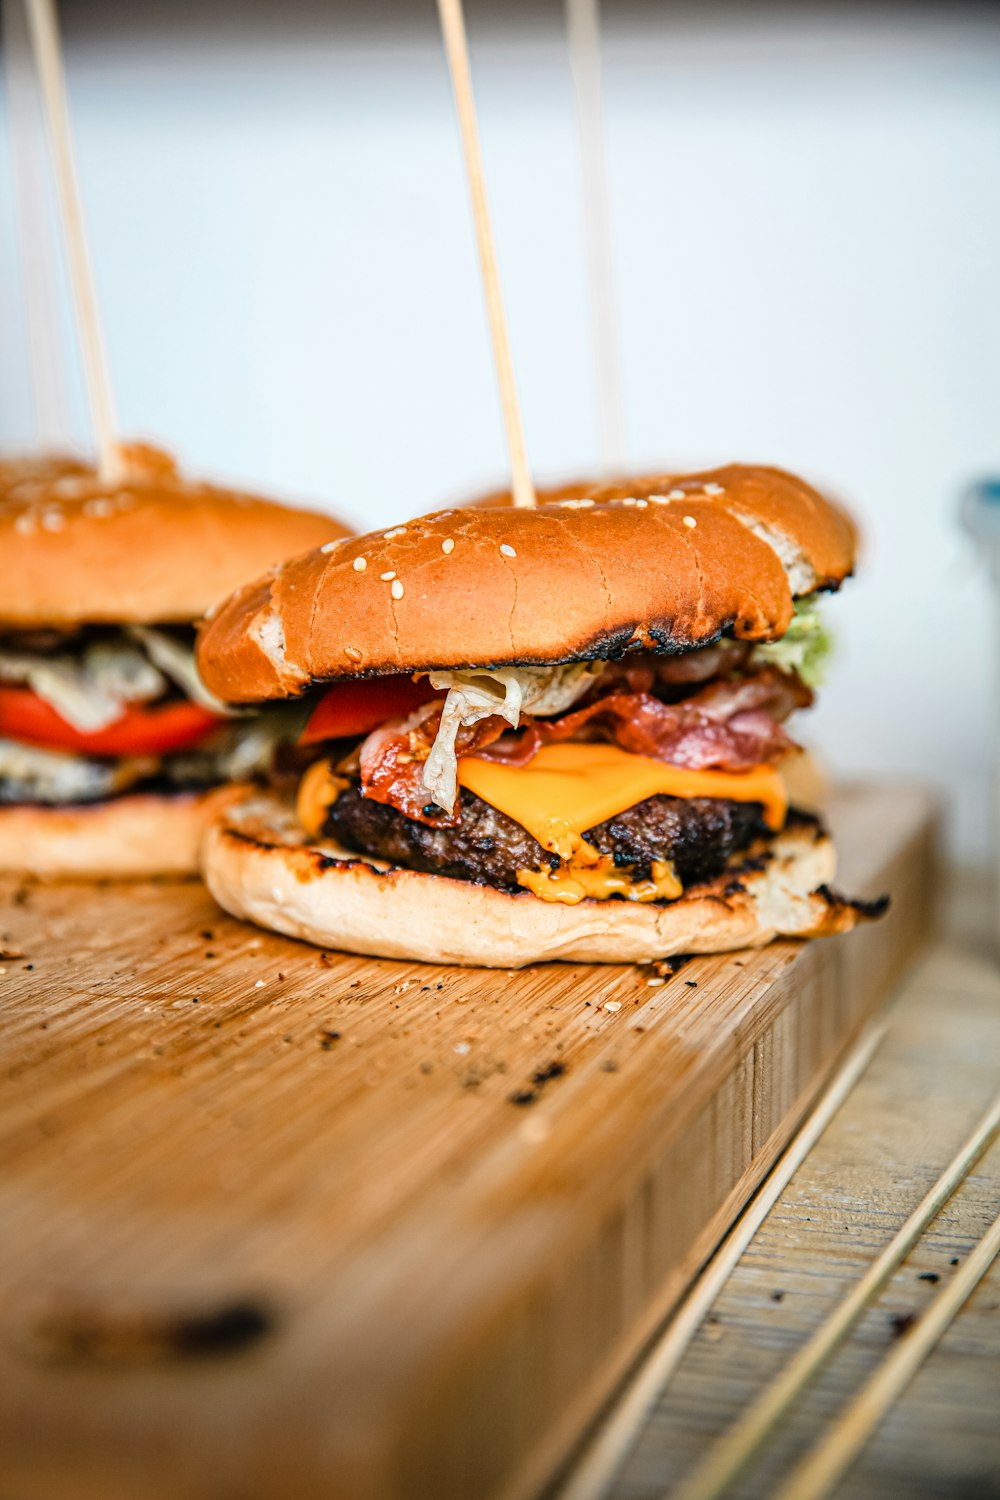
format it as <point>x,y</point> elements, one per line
<point>127,838</point>
<point>257,867</point>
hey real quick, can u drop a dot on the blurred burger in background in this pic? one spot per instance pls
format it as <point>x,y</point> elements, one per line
<point>113,755</point>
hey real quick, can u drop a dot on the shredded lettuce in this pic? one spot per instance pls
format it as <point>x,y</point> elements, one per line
<point>176,658</point>
<point>505,691</point>
<point>804,648</point>
<point>88,689</point>
<point>90,685</point>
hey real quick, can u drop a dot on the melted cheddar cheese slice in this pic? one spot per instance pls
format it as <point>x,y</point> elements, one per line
<point>567,788</point>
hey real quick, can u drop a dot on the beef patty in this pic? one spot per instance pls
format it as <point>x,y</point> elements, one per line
<point>696,834</point>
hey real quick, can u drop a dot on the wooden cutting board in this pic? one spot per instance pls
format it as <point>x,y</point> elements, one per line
<point>275,1222</point>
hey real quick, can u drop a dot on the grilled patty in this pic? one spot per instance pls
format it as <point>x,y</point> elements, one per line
<point>697,834</point>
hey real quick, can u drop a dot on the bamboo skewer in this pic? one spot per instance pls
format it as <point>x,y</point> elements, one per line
<point>832,1457</point>
<point>48,58</point>
<point>733,1451</point>
<point>583,27</point>
<point>592,1477</point>
<point>35,259</point>
<point>457,49</point>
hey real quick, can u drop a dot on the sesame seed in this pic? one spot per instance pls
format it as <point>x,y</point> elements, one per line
<point>507,549</point>
<point>642,504</point>
<point>629,500</point>
<point>714,489</point>
<point>655,983</point>
<point>388,577</point>
<point>397,589</point>
<point>259,985</point>
<point>585,504</point>
<point>659,499</point>
<point>612,1005</point>
<point>462,1048</point>
<point>53,520</point>
<point>448,545</point>
<point>353,653</point>
<point>360,564</point>
<point>328,547</point>
<point>24,523</point>
<point>396,531</point>
<point>675,495</point>
<point>690,521</point>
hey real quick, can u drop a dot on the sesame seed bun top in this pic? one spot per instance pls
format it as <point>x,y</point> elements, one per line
<point>668,568</point>
<point>154,548</point>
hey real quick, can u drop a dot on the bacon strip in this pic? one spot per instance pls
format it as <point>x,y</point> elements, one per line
<point>727,726</point>
<point>392,761</point>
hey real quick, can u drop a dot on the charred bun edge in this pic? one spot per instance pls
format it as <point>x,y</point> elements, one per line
<point>571,580</point>
<point>258,869</point>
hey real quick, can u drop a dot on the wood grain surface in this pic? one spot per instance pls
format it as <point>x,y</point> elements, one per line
<point>275,1222</point>
<point>933,1076</point>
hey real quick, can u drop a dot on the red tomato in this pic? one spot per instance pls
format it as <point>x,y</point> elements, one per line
<point>140,731</point>
<point>352,708</point>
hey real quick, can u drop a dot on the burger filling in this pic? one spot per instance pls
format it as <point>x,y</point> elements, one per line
<point>93,713</point>
<point>630,779</point>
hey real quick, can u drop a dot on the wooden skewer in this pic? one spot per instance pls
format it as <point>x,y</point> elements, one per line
<point>733,1451</point>
<point>583,27</point>
<point>593,1476</point>
<point>819,1472</point>
<point>48,58</point>
<point>35,260</point>
<point>457,49</point>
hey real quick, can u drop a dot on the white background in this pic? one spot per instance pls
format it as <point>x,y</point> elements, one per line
<point>806,216</point>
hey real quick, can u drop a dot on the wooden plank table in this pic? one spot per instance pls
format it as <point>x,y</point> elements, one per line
<point>930,1082</point>
<point>274,1222</point>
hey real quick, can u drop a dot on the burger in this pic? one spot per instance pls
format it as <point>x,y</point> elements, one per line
<point>549,733</point>
<point>113,756</point>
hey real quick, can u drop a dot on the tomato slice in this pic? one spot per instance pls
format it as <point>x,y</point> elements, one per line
<point>140,731</point>
<point>352,708</point>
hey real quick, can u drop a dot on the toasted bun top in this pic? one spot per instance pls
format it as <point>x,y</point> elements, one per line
<point>668,568</point>
<point>156,548</point>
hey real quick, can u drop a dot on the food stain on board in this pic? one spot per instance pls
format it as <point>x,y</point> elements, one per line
<point>77,1333</point>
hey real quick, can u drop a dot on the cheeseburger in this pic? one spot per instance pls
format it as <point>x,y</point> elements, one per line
<point>112,753</point>
<point>546,733</point>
